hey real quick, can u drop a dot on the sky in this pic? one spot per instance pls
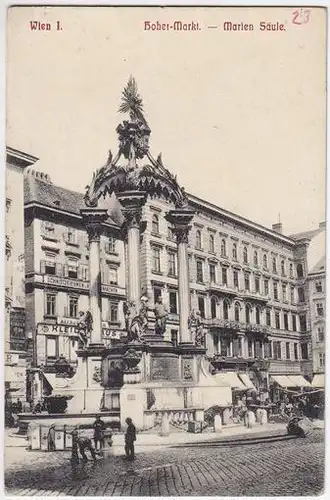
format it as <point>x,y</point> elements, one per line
<point>238,116</point>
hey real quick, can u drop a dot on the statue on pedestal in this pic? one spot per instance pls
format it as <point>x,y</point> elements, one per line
<point>85,327</point>
<point>195,325</point>
<point>136,322</point>
<point>161,314</point>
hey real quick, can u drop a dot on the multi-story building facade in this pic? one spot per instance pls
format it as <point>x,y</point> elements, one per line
<point>15,341</point>
<point>57,279</point>
<point>249,283</point>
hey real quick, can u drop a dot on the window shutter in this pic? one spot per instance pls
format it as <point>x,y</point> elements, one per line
<point>42,267</point>
<point>65,270</point>
<point>79,275</point>
<point>58,268</point>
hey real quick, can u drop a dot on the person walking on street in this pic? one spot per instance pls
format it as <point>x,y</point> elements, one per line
<point>130,437</point>
<point>99,428</point>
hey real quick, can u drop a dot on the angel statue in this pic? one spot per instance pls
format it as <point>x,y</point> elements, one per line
<point>85,327</point>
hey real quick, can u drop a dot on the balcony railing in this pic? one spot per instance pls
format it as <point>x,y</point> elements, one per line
<point>236,325</point>
<point>217,287</point>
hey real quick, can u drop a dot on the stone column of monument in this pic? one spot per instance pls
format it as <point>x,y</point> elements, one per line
<point>180,219</point>
<point>93,220</point>
<point>132,203</point>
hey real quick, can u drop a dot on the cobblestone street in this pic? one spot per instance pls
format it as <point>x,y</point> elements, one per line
<point>293,467</point>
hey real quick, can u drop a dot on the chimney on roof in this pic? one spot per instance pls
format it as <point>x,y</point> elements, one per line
<point>40,175</point>
<point>322,225</point>
<point>277,227</point>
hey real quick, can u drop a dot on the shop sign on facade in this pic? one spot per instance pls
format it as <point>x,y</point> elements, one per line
<point>66,282</point>
<point>73,329</point>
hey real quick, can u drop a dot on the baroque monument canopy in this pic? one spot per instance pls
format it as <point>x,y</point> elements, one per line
<point>140,171</point>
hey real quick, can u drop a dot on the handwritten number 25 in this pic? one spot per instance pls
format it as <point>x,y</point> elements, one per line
<point>301,16</point>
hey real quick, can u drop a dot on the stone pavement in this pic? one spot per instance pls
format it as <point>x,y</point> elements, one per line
<point>293,467</point>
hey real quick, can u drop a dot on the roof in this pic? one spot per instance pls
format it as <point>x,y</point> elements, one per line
<point>306,234</point>
<point>319,267</point>
<point>42,192</point>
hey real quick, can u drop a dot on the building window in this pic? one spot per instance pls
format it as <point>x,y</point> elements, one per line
<point>247,281</point>
<point>277,350</point>
<point>235,251</point>
<point>223,248</point>
<point>225,310</point>
<point>50,304</point>
<point>157,294</point>
<point>49,267</point>
<point>301,295</point>
<point>250,349</point>
<point>287,350</point>
<point>257,285</point>
<point>292,295</point>
<point>303,323</point>
<point>239,346</point>
<point>213,308</point>
<point>237,312</point>
<point>73,307</point>
<point>198,240</point>
<point>211,243</point>
<point>174,337</point>
<point>266,287</point>
<point>113,275</point>
<point>300,271</point>
<point>270,346</point>
<point>212,273</point>
<point>245,255</point>
<point>155,224</point>
<point>286,321</point>
<point>318,286</point>
<point>173,303</point>
<point>71,268</point>
<point>277,320</point>
<point>265,261</point>
<point>322,359</point>
<point>235,278</point>
<point>258,316</point>
<point>199,268</point>
<point>294,322</point>
<point>255,258</point>
<point>295,351</point>
<point>247,314</point>
<point>156,259</point>
<point>71,236</point>
<point>110,246</point>
<point>282,267</point>
<point>274,265</point>
<point>113,312</point>
<point>319,309</point>
<point>291,270</point>
<point>171,264</point>
<point>268,317</point>
<point>48,229</point>
<point>304,351</point>
<point>320,334</point>
<point>51,348</point>
<point>224,276</point>
<point>201,306</point>
<point>284,293</point>
<point>258,349</point>
<point>275,291</point>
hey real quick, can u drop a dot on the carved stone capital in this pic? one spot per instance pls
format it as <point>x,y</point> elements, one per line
<point>93,220</point>
<point>180,220</point>
<point>181,234</point>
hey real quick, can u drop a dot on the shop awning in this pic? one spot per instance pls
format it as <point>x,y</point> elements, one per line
<point>318,380</point>
<point>282,380</point>
<point>229,379</point>
<point>299,381</point>
<point>247,381</point>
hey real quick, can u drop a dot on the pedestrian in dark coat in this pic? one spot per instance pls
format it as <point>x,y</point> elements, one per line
<point>99,428</point>
<point>130,437</point>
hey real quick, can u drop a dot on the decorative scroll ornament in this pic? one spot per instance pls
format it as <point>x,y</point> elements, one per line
<point>97,374</point>
<point>181,234</point>
<point>133,136</point>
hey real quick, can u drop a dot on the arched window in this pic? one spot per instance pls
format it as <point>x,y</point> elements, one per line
<point>155,224</point>
<point>198,239</point>
<point>274,265</point>
<point>283,267</point>
<point>258,316</point>
<point>265,261</point>
<point>223,248</point>
<point>237,311</point>
<point>300,271</point>
<point>255,258</point>
<point>291,271</point>
<point>247,313</point>
<point>225,309</point>
<point>211,243</point>
<point>245,255</point>
<point>213,308</point>
<point>235,251</point>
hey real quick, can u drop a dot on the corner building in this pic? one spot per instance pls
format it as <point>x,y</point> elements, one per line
<point>249,283</point>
